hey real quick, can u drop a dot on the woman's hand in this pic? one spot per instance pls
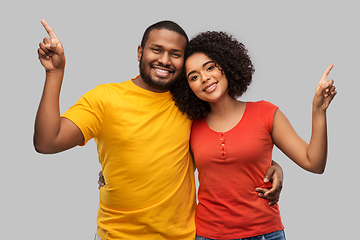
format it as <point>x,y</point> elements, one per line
<point>325,91</point>
<point>101,180</point>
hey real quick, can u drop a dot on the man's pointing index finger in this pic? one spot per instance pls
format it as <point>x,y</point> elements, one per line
<point>48,29</point>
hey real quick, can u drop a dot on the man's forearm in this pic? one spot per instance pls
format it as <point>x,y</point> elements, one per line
<point>47,122</point>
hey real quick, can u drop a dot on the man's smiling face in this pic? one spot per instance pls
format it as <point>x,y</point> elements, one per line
<point>161,60</point>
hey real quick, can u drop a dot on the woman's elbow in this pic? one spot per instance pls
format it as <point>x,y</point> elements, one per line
<point>318,170</point>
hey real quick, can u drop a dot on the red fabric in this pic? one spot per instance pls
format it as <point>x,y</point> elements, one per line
<point>231,165</point>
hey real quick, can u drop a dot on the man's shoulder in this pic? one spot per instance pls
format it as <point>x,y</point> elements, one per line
<point>116,87</point>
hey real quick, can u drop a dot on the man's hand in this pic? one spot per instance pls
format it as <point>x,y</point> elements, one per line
<point>51,51</point>
<point>101,181</point>
<point>275,175</point>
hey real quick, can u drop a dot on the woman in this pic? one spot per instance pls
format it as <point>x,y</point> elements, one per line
<point>232,140</point>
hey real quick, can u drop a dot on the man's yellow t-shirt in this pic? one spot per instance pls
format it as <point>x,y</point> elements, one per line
<point>143,144</point>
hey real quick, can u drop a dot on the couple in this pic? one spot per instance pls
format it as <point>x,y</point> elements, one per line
<point>143,139</point>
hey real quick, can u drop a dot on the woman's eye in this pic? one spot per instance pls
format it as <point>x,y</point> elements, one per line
<point>210,68</point>
<point>193,78</point>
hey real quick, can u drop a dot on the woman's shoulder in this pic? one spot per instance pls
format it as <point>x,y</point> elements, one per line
<point>263,107</point>
<point>261,103</point>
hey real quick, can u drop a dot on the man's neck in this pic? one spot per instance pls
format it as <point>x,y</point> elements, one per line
<point>139,81</point>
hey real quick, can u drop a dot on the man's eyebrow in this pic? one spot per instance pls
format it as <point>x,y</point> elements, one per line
<point>206,63</point>
<point>156,45</point>
<point>161,46</point>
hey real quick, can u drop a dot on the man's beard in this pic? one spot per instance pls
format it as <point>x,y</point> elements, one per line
<point>160,85</point>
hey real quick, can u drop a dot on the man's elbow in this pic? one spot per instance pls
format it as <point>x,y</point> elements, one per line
<point>42,147</point>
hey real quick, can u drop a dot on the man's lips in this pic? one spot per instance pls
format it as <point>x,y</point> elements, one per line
<point>161,71</point>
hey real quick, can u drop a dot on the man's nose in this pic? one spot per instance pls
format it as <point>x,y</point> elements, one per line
<point>165,59</point>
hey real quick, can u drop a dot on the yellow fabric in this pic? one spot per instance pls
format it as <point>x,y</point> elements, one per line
<point>143,145</point>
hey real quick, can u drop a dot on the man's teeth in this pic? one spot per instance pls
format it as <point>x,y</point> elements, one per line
<point>162,70</point>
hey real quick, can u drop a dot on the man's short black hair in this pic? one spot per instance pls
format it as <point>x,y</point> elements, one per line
<point>166,24</point>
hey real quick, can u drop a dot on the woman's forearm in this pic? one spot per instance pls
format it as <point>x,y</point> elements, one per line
<point>318,145</point>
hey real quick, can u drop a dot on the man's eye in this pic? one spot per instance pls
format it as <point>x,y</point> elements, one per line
<point>176,55</point>
<point>155,50</point>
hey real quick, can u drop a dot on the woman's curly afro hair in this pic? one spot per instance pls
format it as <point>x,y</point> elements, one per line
<point>233,59</point>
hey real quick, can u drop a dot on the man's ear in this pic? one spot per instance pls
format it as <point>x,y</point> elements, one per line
<point>139,52</point>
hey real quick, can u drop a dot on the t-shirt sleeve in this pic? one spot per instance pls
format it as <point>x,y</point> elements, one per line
<point>267,111</point>
<point>88,112</point>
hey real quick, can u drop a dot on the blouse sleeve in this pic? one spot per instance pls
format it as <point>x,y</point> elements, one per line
<point>267,111</point>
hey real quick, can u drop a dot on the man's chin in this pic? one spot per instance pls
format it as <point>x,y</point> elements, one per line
<point>163,86</point>
<point>161,83</point>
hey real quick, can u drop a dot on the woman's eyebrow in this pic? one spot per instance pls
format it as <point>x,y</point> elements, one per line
<point>206,63</point>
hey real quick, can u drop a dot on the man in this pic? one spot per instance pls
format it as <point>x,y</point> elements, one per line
<point>141,136</point>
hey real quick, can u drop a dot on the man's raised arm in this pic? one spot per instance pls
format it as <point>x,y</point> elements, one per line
<point>52,133</point>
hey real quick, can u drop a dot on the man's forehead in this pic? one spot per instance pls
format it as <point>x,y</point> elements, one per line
<point>166,38</point>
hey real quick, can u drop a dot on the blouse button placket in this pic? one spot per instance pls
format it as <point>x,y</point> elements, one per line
<point>222,145</point>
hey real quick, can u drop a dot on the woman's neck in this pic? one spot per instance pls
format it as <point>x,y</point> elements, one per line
<point>225,114</point>
<point>226,107</point>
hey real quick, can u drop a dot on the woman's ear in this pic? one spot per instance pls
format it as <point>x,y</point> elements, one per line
<point>220,69</point>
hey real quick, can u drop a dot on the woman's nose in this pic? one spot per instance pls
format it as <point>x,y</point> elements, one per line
<point>204,77</point>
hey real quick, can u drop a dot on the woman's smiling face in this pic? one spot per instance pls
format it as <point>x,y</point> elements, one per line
<point>205,78</point>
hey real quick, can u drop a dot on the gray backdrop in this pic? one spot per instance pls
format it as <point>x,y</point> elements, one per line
<point>291,44</point>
